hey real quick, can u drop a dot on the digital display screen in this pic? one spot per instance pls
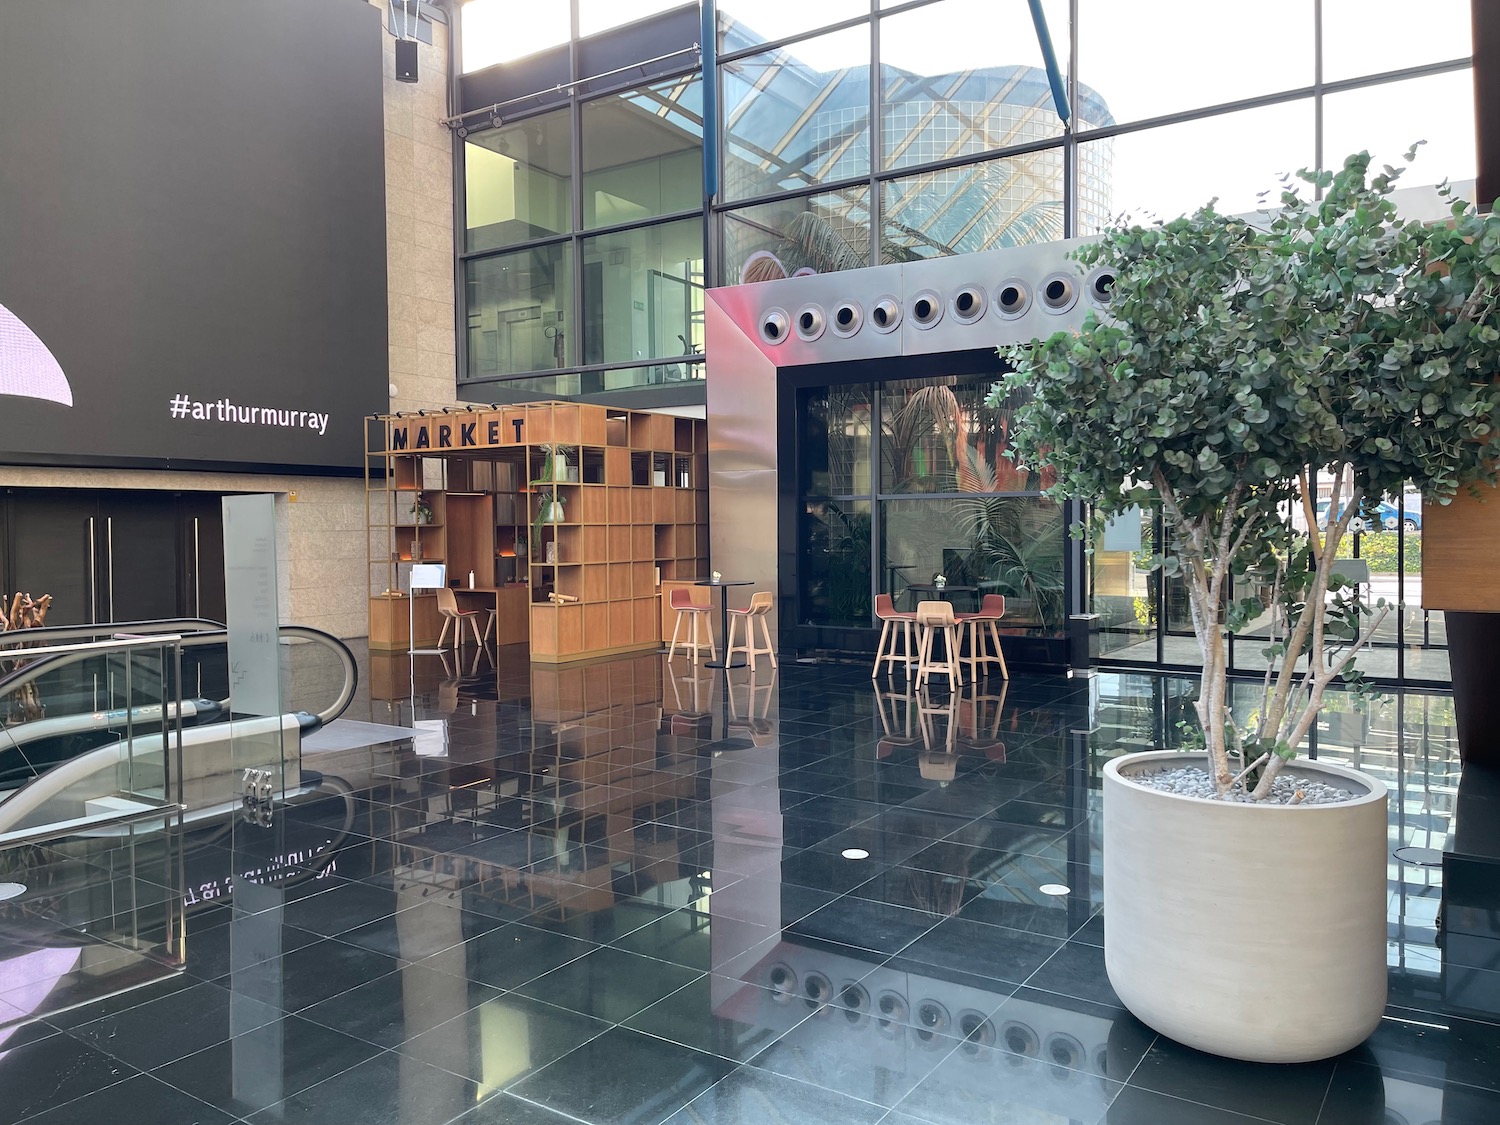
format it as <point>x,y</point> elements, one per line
<point>192,233</point>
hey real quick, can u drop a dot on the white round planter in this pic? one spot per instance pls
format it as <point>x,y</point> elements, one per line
<point>1247,930</point>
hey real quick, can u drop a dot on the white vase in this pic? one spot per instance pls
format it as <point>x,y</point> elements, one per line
<point>1253,931</point>
<point>553,512</point>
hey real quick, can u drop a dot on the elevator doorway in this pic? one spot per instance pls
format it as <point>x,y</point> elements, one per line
<point>115,555</point>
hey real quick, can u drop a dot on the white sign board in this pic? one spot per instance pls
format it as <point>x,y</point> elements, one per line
<point>428,576</point>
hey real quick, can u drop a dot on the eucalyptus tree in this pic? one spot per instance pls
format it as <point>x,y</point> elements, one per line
<point>1236,364</point>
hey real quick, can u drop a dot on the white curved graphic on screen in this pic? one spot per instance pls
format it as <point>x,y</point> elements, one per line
<point>27,367</point>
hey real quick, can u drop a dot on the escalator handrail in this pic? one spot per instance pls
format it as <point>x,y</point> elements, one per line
<point>54,634</point>
<point>346,658</point>
<point>48,660</point>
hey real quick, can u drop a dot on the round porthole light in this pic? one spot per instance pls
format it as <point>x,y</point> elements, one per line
<point>11,890</point>
<point>1054,889</point>
<point>855,853</point>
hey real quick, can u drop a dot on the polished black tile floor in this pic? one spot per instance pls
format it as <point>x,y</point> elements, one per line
<point>620,894</point>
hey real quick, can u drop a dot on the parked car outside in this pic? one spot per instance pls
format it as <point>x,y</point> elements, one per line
<point>1385,516</point>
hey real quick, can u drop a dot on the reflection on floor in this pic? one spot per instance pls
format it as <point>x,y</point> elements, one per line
<point>619,893</point>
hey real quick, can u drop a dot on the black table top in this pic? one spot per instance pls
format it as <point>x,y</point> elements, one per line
<point>723,582</point>
<point>930,587</point>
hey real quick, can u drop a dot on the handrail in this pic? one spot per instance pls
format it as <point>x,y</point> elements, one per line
<point>346,658</point>
<point>26,637</point>
<point>46,659</point>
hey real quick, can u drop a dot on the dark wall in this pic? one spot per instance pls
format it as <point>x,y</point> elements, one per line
<point>192,202</point>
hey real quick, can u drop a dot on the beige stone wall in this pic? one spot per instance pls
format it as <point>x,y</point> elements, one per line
<point>321,542</point>
<point>419,226</point>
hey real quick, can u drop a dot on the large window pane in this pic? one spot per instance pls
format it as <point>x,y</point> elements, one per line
<point>1007,202</point>
<point>1011,545</point>
<point>834,449</point>
<point>493,33</point>
<point>1145,60</point>
<point>965,76</point>
<point>817,234</point>
<point>1173,170</point>
<point>1387,119</point>
<point>643,152</point>
<point>643,293</point>
<point>600,15</point>
<point>834,570</point>
<point>744,23</point>
<point>1372,36</point>
<point>518,311</point>
<point>797,116</point>
<point>1122,590</point>
<point>937,435</point>
<point>516,182</point>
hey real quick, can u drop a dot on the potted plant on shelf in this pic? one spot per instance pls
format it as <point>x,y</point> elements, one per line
<point>1236,366</point>
<point>520,544</point>
<point>421,508</point>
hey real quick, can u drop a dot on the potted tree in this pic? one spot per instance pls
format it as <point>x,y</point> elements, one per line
<point>1236,366</point>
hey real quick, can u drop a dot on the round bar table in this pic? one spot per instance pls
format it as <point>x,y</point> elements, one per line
<point>722,585</point>
<point>941,593</point>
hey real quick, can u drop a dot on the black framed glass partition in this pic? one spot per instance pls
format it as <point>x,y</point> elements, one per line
<point>1144,616</point>
<point>899,480</point>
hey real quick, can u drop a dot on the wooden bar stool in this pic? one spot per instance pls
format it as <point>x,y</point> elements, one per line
<point>757,610</point>
<point>982,629</point>
<point>933,618</point>
<point>452,615</point>
<point>681,599</point>
<point>892,622</point>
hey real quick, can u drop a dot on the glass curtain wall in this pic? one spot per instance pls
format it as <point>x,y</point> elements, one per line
<point>860,132</point>
<point>587,279</point>
<point>904,480</point>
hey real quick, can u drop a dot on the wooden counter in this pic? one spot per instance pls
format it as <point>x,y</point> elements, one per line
<point>512,610</point>
<point>389,619</point>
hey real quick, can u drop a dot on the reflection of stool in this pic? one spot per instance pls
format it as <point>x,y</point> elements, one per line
<point>987,743</point>
<point>758,609</point>
<point>681,599</point>
<point>982,630</point>
<point>934,617</point>
<point>885,611</point>
<point>896,727</point>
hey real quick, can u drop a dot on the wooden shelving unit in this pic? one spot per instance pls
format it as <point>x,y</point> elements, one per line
<point>589,508</point>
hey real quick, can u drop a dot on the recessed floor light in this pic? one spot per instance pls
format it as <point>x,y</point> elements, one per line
<point>855,853</point>
<point>1054,889</point>
<point>11,890</point>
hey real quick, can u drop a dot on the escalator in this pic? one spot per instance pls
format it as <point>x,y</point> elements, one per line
<point>80,704</point>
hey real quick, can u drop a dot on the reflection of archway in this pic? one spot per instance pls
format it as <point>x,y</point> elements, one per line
<point>27,366</point>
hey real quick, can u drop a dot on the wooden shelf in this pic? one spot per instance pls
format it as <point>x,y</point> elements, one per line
<point>634,478</point>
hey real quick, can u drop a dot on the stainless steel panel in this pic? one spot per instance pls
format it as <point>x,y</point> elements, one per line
<point>741,396</point>
<point>743,361</point>
<point>742,530</point>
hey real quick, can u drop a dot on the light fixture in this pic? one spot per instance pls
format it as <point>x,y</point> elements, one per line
<point>11,890</point>
<point>855,853</point>
<point>1055,889</point>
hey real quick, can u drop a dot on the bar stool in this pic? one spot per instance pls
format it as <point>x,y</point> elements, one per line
<point>452,615</point>
<point>681,599</point>
<point>891,620</point>
<point>757,610</point>
<point>983,624</point>
<point>934,617</point>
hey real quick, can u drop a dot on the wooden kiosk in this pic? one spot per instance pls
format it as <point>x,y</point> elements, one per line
<point>569,515</point>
